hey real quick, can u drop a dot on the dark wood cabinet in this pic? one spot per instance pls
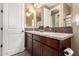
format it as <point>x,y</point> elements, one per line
<point>43,46</point>
<point>47,51</point>
<point>28,42</point>
<point>47,41</point>
<point>37,48</point>
<point>29,45</point>
<point>43,50</point>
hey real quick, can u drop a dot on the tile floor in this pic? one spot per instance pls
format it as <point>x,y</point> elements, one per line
<point>24,53</point>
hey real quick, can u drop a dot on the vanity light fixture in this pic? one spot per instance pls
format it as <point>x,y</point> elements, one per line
<point>38,5</point>
<point>29,12</point>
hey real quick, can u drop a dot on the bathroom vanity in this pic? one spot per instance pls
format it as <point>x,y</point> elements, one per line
<point>47,43</point>
<point>56,23</point>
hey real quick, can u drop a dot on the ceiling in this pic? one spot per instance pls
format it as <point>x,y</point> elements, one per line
<point>50,5</point>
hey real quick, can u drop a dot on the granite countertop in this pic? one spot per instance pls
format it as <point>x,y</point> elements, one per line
<point>54,35</point>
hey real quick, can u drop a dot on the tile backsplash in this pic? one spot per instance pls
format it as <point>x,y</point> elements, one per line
<point>56,29</point>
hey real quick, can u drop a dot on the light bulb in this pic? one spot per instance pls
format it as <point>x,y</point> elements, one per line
<point>28,14</point>
<point>31,10</point>
<point>37,5</point>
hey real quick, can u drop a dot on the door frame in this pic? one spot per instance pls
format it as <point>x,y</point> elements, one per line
<point>1,29</point>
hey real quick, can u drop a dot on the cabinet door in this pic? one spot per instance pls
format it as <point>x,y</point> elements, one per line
<point>37,49</point>
<point>29,45</point>
<point>47,51</point>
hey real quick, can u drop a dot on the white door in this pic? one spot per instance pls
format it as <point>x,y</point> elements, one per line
<point>13,24</point>
<point>1,17</point>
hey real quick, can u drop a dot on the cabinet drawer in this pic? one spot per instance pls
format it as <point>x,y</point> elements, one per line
<point>29,35</point>
<point>48,41</point>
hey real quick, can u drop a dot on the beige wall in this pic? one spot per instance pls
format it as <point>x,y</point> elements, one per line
<point>75,39</point>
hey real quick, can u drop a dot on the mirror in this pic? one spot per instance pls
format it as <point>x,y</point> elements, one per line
<point>57,15</point>
<point>33,16</point>
<point>38,19</point>
<point>29,21</point>
<point>55,18</point>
